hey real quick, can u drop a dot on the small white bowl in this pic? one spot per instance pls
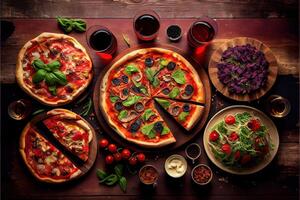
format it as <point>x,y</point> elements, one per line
<point>179,157</point>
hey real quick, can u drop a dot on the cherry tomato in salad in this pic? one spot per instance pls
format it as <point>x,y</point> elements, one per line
<point>109,159</point>
<point>125,154</point>
<point>103,143</point>
<point>237,155</point>
<point>132,161</point>
<point>112,148</point>
<point>233,136</point>
<point>117,156</point>
<point>226,148</point>
<point>245,159</point>
<point>214,136</point>
<point>141,157</point>
<point>254,125</point>
<point>229,119</point>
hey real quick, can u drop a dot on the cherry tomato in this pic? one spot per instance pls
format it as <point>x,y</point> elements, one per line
<point>109,159</point>
<point>103,143</point>
<point>254,125</point>
<point>117,156</point>
<point>214,136</point>
<point>245,159</point>
<point>141,157</point>
<point>229,119</point>
<point>112,148</point>
<point>237,155</point>
<point>125,154</point>
<point>226,148</point>
<point>233,136</point>
<point>132,161</point>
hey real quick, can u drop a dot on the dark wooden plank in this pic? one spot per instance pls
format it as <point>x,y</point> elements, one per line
<point>166,9</point>
<point>281,35</point>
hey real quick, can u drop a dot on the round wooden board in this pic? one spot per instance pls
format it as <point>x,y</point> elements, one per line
<point>182,136</point>
<point>216,57</point>
<point>239,109</point>
<point>84,167</point>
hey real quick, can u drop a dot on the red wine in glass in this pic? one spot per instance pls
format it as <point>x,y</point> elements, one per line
<point>146,25</point>
<point>202,32</point>
<point>101,40</point>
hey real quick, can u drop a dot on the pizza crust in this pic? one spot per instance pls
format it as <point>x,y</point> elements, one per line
<point>23,155</point>
<point>19,69</point>
<point>195,117</point>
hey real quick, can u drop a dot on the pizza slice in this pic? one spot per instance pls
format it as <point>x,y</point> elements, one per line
<point>71,131</point>
<point>149,129</point>
<point>45,161</point>
<point>186,114</point>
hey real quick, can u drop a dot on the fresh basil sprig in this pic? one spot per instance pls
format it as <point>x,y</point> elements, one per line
<point>50,73</point>
<point>69,24</point>
<point>113,178</point>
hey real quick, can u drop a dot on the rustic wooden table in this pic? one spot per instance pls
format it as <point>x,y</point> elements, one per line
<point>280,180</point>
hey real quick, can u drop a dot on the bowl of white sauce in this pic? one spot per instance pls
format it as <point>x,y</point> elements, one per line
<point>175,166</point>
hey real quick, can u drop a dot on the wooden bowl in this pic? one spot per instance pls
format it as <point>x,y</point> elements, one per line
<point>265,120</point>
<point>223,89</point>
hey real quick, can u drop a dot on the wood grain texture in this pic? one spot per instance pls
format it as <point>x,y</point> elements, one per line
<point>166,8</point>
<point>280,35</point>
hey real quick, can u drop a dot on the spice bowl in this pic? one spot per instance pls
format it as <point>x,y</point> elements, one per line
<point>193,152</point>
<point>148,175</point>
<point>202,174</point>
<point>175,166</point>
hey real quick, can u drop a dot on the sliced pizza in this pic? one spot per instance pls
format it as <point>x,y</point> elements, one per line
<point>186,114</point>
<point>53,68</point>
<point>45,161</point>
<point>71,131</point>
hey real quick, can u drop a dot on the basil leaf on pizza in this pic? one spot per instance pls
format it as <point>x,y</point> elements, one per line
<point>61,77</point>
<point>155,82</point>
<point>38,64</point>
<point>174,92</point>
<point>130,69</point>
<point>39,76</point>
<point>54,65</point>
<point>179,76</point>
<point>163,63</point>
<point>131,100</point>
<point>147,129</point>
<point>122,114</point>
<point>164,103</point>
<point>150,74</point>
<point>147,114</point>
<point>165,131</point>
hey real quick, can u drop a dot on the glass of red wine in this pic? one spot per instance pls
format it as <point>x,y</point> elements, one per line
<point>202,32</point>
<point>146,25</point>
<point>101,39</point>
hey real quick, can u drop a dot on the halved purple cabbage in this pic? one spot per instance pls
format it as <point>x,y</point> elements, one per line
<point>243,69</point>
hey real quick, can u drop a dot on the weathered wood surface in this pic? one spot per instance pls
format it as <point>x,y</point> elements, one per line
<point>281,35</point>
<point>166,8</point>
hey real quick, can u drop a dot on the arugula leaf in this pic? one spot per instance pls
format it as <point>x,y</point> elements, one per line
<point>123,183</point>
<point>243,117</point>
<point>165,131</point>
<point>122,114</point>
<point>155,82</point>
<point>164,103</point>
<point>174,92</point>
<point>182,116</point>
<point>147,114</point>
<point>221,128</point>
<point>113,99</point>
<point>179,76</point>
<point>150,74</point>
<point>131,100</point>
<point>131,69</point>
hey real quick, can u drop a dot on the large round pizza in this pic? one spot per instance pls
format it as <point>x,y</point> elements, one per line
<point>44,160</point>
<point>132,85</point>
<point>53,68</point>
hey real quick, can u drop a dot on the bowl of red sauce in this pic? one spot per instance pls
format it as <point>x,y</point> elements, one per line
<point>202,174</point>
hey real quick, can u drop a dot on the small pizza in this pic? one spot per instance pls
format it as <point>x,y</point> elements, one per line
<point>186,114</point>
<point>71,131</point>
<point>44,161</point>
<point>130,84</point>
<point>53,68</point>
